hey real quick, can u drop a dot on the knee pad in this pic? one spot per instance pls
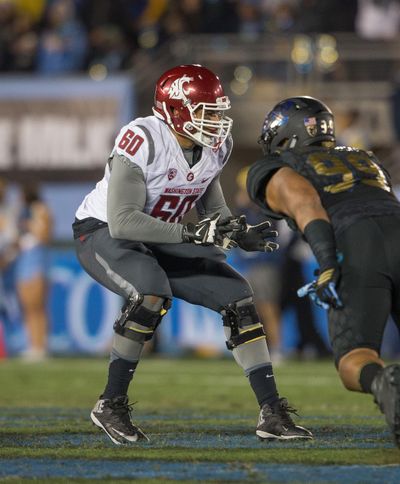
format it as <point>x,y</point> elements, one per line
<point>351,364</point>
<point>138,322</point>
<point>243,320</point>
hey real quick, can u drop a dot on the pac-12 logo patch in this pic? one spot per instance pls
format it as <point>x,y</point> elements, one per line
<point>172,173</point>
<point>190,176</point>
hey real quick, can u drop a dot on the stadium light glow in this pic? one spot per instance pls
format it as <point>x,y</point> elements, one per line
<point>98,72</point>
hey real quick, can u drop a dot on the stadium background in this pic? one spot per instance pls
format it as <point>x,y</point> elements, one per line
<point>73,72</point>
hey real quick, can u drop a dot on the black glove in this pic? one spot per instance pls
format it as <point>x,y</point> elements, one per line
<point>204,232</point>
<point>325,287</point>
<point>252,237</point>
<point>225,228</point>
<point>323,290</point>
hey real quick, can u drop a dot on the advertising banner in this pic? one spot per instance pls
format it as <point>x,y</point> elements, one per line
<point>82,313</point>
<point>61,124</point>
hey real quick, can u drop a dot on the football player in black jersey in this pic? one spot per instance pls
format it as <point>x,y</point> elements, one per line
<point>341,200</point>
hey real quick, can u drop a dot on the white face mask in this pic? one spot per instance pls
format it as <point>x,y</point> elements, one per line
<point>208,126</point>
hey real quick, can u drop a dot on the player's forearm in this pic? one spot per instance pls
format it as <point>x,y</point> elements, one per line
<point>223,210</point>
<point>321,238</point>
<point>140,227</point>
<point>313,221</point>
<point>213,201</point>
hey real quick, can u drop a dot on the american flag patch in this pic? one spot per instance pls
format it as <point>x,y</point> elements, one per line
<point>310,121</point>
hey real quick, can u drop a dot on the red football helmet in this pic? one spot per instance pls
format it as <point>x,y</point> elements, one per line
<point>190,99</point>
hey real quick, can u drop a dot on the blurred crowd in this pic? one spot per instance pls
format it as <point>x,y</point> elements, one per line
<point>65,36</point>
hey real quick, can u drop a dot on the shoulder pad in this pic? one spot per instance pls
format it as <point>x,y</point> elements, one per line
<point>134,143</point>
<point>290,157</point>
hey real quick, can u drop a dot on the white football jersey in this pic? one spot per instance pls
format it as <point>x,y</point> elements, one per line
<point>172,186</point>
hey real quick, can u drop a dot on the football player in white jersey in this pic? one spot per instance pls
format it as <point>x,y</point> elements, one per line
<point>129,238</point>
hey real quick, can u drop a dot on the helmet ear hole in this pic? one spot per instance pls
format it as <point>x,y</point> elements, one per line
<point>283,142</point>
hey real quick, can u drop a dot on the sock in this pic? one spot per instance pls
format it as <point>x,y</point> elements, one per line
<point>368,373</point>
<point>262,382</point>
<point>120,373</point>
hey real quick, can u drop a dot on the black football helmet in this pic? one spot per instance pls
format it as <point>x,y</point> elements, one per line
<point>297,122</point>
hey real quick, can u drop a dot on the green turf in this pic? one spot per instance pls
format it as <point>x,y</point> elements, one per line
<point>13,480</point>
<point>215,387</point>
<point>199,399</point>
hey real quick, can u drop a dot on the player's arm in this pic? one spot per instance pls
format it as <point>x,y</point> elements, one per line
<point>213,204</point>
<point>126,199</point>
<point>213,201</point>
<point>292,195</point>
<point>247,237</point>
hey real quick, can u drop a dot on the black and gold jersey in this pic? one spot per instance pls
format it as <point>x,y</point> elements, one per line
<point>351,183</point>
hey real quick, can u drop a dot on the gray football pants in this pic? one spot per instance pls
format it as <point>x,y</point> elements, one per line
<point>197,274</point>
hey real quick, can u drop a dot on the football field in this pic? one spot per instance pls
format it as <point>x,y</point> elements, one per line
<point>200,416</point>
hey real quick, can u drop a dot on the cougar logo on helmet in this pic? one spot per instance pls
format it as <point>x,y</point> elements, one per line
<point>177,89</point>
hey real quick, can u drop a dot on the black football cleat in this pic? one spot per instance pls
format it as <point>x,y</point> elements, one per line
<point>386,390</point>
<point>275,423</point>
<point>114,417</point>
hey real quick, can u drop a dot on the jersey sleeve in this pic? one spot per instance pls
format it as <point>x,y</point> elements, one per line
<point>126,198</point>
<point>257,179</point>
<point>133,144</point>
<point>213,201</point>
